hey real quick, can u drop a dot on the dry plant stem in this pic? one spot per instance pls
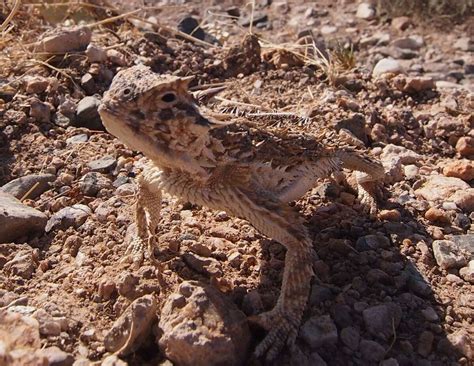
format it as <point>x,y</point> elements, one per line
<point>257,107</point>
<point>62,72</point>
<point>25,196</point>
<point>10,16</point>
<point>251,16</point>
<point>113,19</point>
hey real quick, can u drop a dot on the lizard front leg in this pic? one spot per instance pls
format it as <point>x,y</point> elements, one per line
<point>147,217</point>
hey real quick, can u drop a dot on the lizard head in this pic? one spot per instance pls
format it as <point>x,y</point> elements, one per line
<point>154,114</point>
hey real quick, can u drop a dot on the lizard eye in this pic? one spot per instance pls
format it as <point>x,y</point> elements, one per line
<point>127,91</point>
<point>168,97</point>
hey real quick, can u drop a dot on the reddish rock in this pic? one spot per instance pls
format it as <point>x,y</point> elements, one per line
<point>437,215</point>
<point>401,23</point>
<point>463,169</point>
<point>465,146</point>
<point>390,215</point>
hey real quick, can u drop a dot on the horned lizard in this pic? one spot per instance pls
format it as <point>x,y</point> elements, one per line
<point>232,165</point>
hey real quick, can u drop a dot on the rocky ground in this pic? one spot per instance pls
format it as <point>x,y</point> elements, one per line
<point>395,290</point>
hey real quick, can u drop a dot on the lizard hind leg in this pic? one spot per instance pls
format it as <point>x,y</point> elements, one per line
<point>280,222</point>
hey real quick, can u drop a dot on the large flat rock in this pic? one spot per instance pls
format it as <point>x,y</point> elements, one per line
<point>17,219</point>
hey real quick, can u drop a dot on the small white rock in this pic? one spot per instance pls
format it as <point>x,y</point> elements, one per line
<point>365,11</point>
<point>387,65</point>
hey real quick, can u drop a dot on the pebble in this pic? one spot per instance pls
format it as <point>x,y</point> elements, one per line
<point>132,328</point>
<point>461,341</point>
<point>48,326</point>
<point>74,216</point>
<point>462,221</point>
<point>462,169</point>
<point>405,155</point>
<point>412,42</point>
<point>387,65</point>
<point>449,206</point>
<point>464,199</point>
<point>341,313</point>
<point>393,170</point>
<point>111,360</point>
<point>418,84</point>
<point>36,84</point>
<point>207,266</point>
<point>17,219</point>
<point>440,188</point>
<point>95,53</point>
<point>350,337</point>
<point>91,183</point>
<point>226,232</point>
<point>425,343</point>
<point>430,314</point>
<point>319,294</point>
<point>365,11</point>
<point>57,357</point>
<point>20,335</point>
<point>465,146</point>
<point>235,259</point>
<point>390,215</point>
<point>452,278</point>
<point>437,215</point>
<point>372,242</point>
<point>328,29</point>
<point>103,165</point>
<point>467,273</point>
<point>380,320</point>
<point>464,44</point>
<point>371,351</point>
<point>447,254</point>
<point>318,331</point>
<point>202,327</point>
<point>20,186</point>
<point>126,284</point>
<point>116,57</point>
<point>23,264</point>
<point>64,40</point>
<point>77,139</point>
<point>125,190</point>
<point>88,83</point>
<point>87,114</point>
<point>401,23</point>
<point>200,249</point>
<point>39,110</point>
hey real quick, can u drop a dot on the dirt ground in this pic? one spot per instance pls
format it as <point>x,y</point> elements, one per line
<point>391,290</point>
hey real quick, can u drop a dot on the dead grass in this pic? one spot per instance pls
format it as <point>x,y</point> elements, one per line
<point>428,9</point>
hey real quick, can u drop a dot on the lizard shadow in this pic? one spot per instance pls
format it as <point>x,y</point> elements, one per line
<point>376,280</point>
<point>6,159</point>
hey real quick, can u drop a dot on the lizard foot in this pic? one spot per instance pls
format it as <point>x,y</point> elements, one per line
<point>138,251</point>
<point>282,327</point>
